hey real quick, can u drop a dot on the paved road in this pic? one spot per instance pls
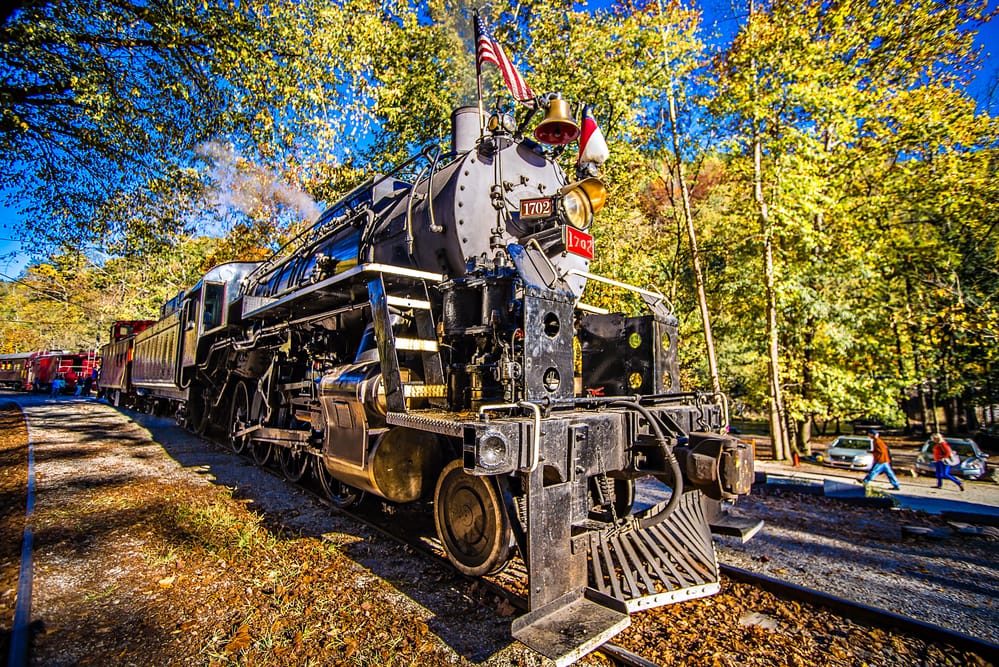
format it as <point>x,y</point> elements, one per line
<point>917,493</point>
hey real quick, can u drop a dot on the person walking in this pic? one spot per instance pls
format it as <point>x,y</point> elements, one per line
<point>57,384</point>
<point>942,457</point>
<point>882,462</point>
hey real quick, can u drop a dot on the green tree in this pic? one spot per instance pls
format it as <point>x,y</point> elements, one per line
<point>807,86</point>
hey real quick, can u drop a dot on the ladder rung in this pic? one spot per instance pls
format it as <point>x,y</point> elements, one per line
<point>424,390</point>
<point>416,344</point>
<point>406,302</point>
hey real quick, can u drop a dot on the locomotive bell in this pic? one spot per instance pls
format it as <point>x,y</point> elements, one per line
<point>557,128</point>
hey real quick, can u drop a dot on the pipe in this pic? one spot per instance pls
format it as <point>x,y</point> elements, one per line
<point>674,465</point>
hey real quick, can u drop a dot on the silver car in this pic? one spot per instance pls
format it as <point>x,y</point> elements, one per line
<point>972,465</point>
<point>852,452</point>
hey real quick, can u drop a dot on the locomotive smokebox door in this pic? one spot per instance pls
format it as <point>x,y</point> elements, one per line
<point>548,336</point>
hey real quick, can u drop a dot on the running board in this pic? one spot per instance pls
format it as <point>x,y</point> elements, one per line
<point>569,628</point>
<point>671,561</point>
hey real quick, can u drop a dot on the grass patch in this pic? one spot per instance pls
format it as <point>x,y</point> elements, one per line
<point>220,529</point>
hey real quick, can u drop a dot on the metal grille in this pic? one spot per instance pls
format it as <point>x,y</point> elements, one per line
<point>666,563</point>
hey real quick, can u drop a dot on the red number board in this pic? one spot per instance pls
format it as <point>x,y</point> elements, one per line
<point>577,242</point>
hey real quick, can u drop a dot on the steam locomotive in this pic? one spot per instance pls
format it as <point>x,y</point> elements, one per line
<point>426,338</point>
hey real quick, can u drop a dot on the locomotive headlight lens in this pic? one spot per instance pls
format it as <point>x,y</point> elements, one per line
<point>501,121</point>
<point>492,450</point>
<point>581,200</point>
<point>577,209</point>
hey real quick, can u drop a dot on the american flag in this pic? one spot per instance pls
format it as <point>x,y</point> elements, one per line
<point>488,50</point>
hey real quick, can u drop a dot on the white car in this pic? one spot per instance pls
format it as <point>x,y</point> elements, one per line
<point>852,452</point>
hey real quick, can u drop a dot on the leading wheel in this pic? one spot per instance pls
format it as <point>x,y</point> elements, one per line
<point>239,415</point>
<point>471,521</point>
<point>294,463</point>
<point>196,418</point>
<point>339,493</point>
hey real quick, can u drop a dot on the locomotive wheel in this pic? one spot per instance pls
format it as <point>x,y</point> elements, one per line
<point>261,452</point>
<point>239,410</point>
<point>294,463</point>
<point>471,521</point>
<point>197,413</point>
<point>339,493</point>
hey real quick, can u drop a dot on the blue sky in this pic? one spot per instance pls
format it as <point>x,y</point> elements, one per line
<point>719,15</point>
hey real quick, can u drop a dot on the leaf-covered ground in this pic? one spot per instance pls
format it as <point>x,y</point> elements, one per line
<point>166,551</point>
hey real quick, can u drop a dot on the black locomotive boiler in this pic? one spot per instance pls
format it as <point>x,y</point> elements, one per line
<point>426,338</point>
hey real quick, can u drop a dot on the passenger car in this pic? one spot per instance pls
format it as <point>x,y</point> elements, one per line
<point>850,451</point>
<point>972,464</point>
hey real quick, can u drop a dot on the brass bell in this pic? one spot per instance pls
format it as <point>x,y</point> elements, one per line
<point>557,128</point>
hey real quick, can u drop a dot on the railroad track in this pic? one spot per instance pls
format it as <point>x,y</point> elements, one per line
<point>504,585</point>
<point>625,651</point>
<point>877,617</point>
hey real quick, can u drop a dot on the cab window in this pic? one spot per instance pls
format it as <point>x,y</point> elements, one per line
<point>214,300</point>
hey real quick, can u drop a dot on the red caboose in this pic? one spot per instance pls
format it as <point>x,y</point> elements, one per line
<point>43,367</point>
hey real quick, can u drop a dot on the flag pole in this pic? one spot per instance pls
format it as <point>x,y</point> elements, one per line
<point>478,72</point>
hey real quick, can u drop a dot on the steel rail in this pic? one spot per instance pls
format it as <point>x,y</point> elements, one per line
<point>622,656</point>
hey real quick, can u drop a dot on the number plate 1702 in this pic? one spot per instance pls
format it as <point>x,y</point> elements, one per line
<point>533,209</point>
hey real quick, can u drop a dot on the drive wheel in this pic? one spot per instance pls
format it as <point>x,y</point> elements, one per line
<point>239,415</point>
<point>294,463</point>
<point>339,493</point>
<point>261,452</point>
<point>471,521</point>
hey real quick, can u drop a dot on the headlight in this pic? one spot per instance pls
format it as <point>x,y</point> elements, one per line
<point>492,450</point>
<point>581,200</point>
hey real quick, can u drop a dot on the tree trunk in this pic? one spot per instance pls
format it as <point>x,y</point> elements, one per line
<point>695,257</point>
<point>804,436</point>
<point>775,412</point>
<point>778,430</point>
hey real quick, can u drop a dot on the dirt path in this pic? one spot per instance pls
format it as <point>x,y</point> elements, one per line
<point>140,562</point>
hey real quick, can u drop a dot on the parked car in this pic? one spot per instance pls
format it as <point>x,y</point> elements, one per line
<point>972,464</point>
<point>850,451</point>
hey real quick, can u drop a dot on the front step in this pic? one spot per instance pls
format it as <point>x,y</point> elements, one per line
<point>669,562</point>
<point>567,629</point>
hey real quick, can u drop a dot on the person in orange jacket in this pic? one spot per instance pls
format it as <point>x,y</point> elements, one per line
<point>941,457</point>
<point>882,461</point>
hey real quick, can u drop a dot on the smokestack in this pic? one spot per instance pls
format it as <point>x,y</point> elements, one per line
<point>464,129</point>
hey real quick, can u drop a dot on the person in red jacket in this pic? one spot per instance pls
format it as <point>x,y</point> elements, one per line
<point>882,461</point>
<point>941,457</point>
